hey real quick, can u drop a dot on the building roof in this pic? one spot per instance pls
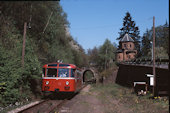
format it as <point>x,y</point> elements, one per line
<point>130,51</point>
<point>119,51</point>
<point>126,38</point>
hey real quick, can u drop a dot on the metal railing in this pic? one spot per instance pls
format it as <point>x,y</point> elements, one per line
<point>159,62</point>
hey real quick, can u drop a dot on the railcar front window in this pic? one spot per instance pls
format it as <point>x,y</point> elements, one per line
<point>51,72</point>
<point>63,72</point>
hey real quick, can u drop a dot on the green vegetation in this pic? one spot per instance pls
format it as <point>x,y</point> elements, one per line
<point>108,72</point>
<point>42,46</point>
<point>161,36</point>
<point>103,56</point>
<point>88,76</point>
<point>146,44</point>
<point>118,97</point>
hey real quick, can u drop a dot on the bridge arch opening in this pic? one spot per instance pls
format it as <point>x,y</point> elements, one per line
<point>89,76</point>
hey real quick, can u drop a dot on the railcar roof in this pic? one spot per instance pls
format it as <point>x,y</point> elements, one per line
<point>58,65</point>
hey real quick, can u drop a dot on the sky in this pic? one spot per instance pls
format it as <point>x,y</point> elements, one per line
<point>94,21</point>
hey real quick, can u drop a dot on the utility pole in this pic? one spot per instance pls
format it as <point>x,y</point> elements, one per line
<point>154,73</point>
<point>23,45</point>
<point>105,58</point>
<point>151,50</point>
<point>169,75</point>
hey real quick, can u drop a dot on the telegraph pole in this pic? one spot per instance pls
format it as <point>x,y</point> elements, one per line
<point>169,75</point>
<point>154,73</point>
<point>23,45</point>
<point>105,58</point>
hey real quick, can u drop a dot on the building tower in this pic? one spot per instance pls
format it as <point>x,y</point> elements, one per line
<point>127,49</point>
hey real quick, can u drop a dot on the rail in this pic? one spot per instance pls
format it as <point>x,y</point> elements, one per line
<point>45,106</point>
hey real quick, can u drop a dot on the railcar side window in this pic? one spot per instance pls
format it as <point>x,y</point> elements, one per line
<point>51,72</point>
<point>62,72</point>
<point>72,72</point>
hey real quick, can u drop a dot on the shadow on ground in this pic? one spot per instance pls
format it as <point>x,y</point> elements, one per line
<point>59,96</point>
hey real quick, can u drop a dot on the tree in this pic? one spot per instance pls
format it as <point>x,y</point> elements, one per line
<point>146,44</point>
<point>130,27</point>
<point>93,55</point>
<point>102,57</point>
<point>106,54</point>
<point>160,52</point>
<point>161,44</point>
<point>164,37</point>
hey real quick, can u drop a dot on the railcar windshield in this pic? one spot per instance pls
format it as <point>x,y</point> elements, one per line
<point>62,72</point>
<point>51,72</point>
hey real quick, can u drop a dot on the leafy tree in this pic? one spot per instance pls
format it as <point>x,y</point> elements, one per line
<point>161,42</point>
<point>160,52</point>
<point>103,56</point>
<point>162,36</point>
<point>146,44</point>
<point>106,54</point>
<point>129,26</point>
<point>93,55</point>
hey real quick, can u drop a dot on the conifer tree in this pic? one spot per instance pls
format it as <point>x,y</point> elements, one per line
<point>129,26</point>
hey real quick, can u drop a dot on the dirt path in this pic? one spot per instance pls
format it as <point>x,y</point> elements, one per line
<point>90,102</point>
<point>112,98</point>
<point>84,102</point>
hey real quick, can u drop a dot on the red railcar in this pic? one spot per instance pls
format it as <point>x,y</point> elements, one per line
<point>61,77</point>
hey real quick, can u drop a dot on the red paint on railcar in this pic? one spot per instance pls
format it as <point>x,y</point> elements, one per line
<point>60,77</point>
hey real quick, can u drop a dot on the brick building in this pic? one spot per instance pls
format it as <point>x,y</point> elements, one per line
<point>127,49</point>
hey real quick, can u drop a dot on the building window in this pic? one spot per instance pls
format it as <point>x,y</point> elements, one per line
<point>130,45</point>
<point>124,45</point>
<point>129,56</point>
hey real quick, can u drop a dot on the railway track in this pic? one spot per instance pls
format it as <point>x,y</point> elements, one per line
<point>44,106</point>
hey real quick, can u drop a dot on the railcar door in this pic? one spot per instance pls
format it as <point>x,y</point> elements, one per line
<point>78,77</point>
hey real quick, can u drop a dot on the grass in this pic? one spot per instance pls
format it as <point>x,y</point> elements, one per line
<point>126,97</point>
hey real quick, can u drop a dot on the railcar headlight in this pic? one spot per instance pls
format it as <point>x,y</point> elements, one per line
<point>67,83</point>
<point>47,82</point>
